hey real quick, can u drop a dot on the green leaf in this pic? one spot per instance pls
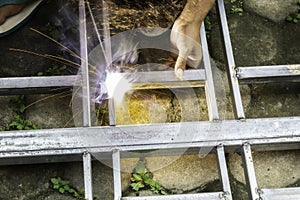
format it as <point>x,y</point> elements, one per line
<point>40,73</point>
<point>28,122</point>
<point>19,126</point>
<point>163,192</point>
<point>62,182</point>
<point>71,190</point>
<point>137,177</point>
<point>76,194</point>
<point>137,186</point>
<point>153,189</point>
<point>289,18</point>
<point>145,176</point>
<point>14,123</point>
<point>150,182</point>
<point>54,181</point>
<point>56,187</point>
<point>67,187</point>
<point>35,127</point>
<point>17,117</point>
<point>81,191</point>
<point>61,190</point>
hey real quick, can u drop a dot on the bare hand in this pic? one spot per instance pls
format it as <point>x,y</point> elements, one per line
<point>186,39</point>
<point>185,35</point>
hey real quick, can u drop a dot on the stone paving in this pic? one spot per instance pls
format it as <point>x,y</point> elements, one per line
<point>259,37</point>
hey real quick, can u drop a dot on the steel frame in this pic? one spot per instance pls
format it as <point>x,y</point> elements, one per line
<point>59,145</point>
<point>237,74</point>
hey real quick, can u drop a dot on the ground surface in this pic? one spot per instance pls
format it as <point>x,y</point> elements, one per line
<point>256,41</point>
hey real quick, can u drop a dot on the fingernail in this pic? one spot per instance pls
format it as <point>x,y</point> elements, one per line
<point>179,73</point>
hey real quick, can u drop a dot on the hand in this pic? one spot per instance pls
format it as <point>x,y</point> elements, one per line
<point>185,34</point>
<point>185,37</point>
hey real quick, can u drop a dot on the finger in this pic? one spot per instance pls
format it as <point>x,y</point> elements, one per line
<point>180,66</point>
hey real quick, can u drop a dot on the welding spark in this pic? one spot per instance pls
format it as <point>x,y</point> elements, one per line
<point>115,86</point>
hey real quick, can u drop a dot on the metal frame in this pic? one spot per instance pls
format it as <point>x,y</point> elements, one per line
<point>59,145</point>
<point>263,135</point>
<point>268,71</point>
<point>251,182</point>
<point>237,99</point>
<point>258,74</point>
<point>281,193</point>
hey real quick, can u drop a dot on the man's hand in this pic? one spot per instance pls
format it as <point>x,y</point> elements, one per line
<point>186,38</point>
<point>185,35</point>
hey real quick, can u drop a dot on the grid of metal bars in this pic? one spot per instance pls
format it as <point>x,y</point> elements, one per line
<point>242,135</point>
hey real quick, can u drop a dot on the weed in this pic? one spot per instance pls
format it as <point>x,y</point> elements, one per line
<point>55,70</point>
<point>294,17</point>
<point>62,186</point>
<point>237,7</point>
<point>53,31</point>
<point>141,178</point>
<point>19,122</point>
<point>208,26</point>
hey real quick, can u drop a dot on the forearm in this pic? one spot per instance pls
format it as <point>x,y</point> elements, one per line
<point>195,11</point>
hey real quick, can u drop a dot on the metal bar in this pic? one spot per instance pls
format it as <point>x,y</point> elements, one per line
<point>268,71</point>
<point>231,64</point>
<point>282,79</point>
<point>87,172</point>
<point>168,76</point>
<point>106,35</point>
<point>111,112</point>
<point>70,155</point>
<point>74,80</point>
<point>108,58</point>
<point>40,81</point>
<point>86,100</point>
<point>200,196</point>
<point>281,193</point>
<point>272,131</point>
<point>31,91</point>
<point>53,155</point>
<point>250,177</point>
<point>117,174</point>
<point>209,84</point>
<point>224,173</point>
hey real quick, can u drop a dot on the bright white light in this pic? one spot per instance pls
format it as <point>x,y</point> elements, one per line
<point>117,85</point>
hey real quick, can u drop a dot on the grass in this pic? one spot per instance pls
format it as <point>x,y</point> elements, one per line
<point>237,7</point>
<point>20,122</point>
<point>55,70</point>
<point>208,26</point>
<point>64,188</point>
<point>141,179</point>
<point>294,17</point>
